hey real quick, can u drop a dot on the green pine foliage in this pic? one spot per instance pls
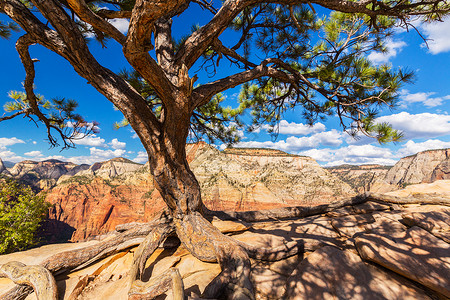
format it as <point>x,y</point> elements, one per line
<point>21,214</point>
<point>323,56</point>
<point>212,121</point>
<point>329,58</point>
<point>60,113</point>
<point>6,29</point>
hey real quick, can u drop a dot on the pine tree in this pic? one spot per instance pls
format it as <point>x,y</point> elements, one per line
<point>284,55</point>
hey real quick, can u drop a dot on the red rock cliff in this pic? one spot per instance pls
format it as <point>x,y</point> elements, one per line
<point>229,181</point>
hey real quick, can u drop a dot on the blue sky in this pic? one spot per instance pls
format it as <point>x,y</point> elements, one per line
<point>423,113</point>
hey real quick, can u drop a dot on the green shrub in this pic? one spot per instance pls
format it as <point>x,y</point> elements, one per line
<point>21,213</point>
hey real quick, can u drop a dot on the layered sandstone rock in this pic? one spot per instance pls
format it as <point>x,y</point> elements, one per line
<point>93,206</point>
<point>418,168</point>
<point>414,253</point>
<point>372,250</point>
<point>442,171</point>
<point>94,201</point>
<point>423,167</point>
<point>44,174</point>
<point>362,178</point>
<point>111,168</point>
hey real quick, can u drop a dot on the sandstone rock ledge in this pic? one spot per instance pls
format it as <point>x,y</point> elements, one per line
<point>372,250</point>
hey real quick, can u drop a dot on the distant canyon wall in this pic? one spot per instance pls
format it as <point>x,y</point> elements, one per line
<point>423,167</point>
<point>92,200</point>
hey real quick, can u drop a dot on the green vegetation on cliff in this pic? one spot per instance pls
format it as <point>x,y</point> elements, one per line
<point>21,214</point>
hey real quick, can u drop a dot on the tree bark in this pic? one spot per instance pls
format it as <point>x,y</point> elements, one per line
<point>181,192</point>
<point>37,277</point>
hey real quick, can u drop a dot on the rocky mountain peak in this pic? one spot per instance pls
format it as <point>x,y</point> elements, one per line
<point>256,152</point>
<point>2,166</point>
<point>109,169</point>
<point>122,160</point>
<point>419,168</point>
<point>423,167</point>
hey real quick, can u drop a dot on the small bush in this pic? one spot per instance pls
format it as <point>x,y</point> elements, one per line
<point>21,214</point>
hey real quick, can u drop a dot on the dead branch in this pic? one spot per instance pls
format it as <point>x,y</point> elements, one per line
<point>158,285</point>
<point>37,277</point>
<point>80,258</point>
<point>287,212</point>
<point>415,199</point>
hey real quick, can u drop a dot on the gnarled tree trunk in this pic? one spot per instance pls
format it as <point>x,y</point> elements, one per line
<point>181,192</point>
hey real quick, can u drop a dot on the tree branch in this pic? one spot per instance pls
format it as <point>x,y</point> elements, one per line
<point>74,49</point>
<point>114,14</point>
<point>22,48</point>
<point>85,14</point>
<point>219,47</point>
<point>142,23</point>
<point>205,92</point>
<point>164,46</point>
<point>199,41</point>
<point>22,112</point>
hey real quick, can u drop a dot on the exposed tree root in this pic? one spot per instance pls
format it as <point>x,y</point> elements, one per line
<point>287,212</point>
<point>202,240</point>
<point>38,277</point>
<point>281,252</point>
<point>207,243</point>
<point>79,258</point>
<point>158,285</point>
<point>416,199</point>
<point>234,280</point>
<point>19,292</point>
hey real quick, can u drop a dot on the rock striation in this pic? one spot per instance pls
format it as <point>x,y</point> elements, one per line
<point>419,168</point>
<point>111,168</point>
<point>374,250</point>
<point>94,201</point>
<point>362,178</point>
<point>423,167</point>
<point>44,174</point>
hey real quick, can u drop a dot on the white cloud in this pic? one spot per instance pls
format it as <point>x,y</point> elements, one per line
<point>394,47</point>
<point>34,154</point>
<point>437,34</point>
<point>57,157</point>
<point>353,154</point>
<point>121,24</point>
<point>97,155</point>
<point>88,125</point>
<point>91,140</point>
<point>10,156</point>
<point>412,147</point>
<point>425,98</point>
<point>117,145</point>
<point>293,144</point>
<point>297,128</point>
<point>359,139</point>
<point>82,160</point>
<point>425,125</point>
<point>141,157</point>
<point>5,142</point>
<point>106,154</point>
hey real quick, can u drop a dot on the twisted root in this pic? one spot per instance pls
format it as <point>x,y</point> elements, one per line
<point>37,277</point>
